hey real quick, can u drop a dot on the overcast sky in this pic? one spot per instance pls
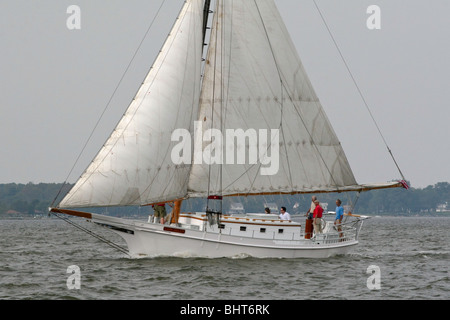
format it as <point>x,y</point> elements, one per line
<point>56,82</point>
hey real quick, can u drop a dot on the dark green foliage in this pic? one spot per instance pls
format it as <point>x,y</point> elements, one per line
<point>34,199</point>
<point>28,198</point>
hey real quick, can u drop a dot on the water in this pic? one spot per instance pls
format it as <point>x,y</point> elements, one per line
<point>412,254</point>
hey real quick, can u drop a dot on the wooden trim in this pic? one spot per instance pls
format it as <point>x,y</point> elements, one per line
<point>161,202</point>
<point>193,217</point>
<point>169,229</point>
<point>72,213</point>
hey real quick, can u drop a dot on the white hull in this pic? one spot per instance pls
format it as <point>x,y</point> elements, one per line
<point>152,240</point>
<point>145,243</point>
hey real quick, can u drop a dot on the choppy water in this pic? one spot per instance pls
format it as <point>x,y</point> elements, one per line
<point>412,254</point>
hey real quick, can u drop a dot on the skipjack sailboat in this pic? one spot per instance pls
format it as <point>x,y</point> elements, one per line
<point>243,121</point>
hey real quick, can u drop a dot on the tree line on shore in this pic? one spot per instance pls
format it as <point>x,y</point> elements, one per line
<point>33,199</point>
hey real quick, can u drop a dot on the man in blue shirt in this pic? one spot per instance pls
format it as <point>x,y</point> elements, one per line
<point>339,217</point>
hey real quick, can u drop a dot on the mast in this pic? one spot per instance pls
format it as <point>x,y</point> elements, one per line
<point>206,12</point>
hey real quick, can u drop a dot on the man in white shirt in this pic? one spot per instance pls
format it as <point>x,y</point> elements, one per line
<point>284,215</point>
<point>310,211</point>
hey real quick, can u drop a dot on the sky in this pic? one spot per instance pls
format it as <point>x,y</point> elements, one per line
<point>56,82</point>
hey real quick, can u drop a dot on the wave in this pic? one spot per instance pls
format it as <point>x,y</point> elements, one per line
<point>433,252</point>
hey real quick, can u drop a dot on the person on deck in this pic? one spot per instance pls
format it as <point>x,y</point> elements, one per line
<point>284,215</point>
<point>310,211</point>
<point>160,212</point>
<point>339,217</point>
<point>317,216</point>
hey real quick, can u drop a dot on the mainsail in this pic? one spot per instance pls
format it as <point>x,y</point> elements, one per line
<point>254,84</point>
<point>254,79</point>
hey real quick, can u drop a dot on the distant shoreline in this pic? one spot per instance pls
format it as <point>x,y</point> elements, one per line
<point>29,200</point>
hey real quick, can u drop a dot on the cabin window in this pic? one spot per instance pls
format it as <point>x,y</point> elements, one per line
<point>243,228</point>
<point>221,226</point>
<point>262,230</point>
<point>280,230</point>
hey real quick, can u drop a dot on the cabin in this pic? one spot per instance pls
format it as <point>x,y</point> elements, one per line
<point>250,226</point>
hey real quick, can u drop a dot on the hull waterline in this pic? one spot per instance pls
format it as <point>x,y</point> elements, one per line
<point>152,240</point>
<point>154,243</point>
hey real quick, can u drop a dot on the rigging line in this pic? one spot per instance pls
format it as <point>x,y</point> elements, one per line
<point>358,88</point>
<point>352,203</point>
<point>110,99</point>
<point>110,243</point>
<point>223,105</point>
<point>223,102</point>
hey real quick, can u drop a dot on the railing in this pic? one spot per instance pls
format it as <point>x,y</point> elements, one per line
<point>257,234</point>
<point>335,234</point>
<point>340,233</point>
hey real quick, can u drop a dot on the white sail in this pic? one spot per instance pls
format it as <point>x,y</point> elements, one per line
<point>134,167</point>
<point>254,79</point>
<point>255,112</point>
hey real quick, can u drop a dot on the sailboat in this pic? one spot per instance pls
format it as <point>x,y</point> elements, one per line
<point>236,117</point>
